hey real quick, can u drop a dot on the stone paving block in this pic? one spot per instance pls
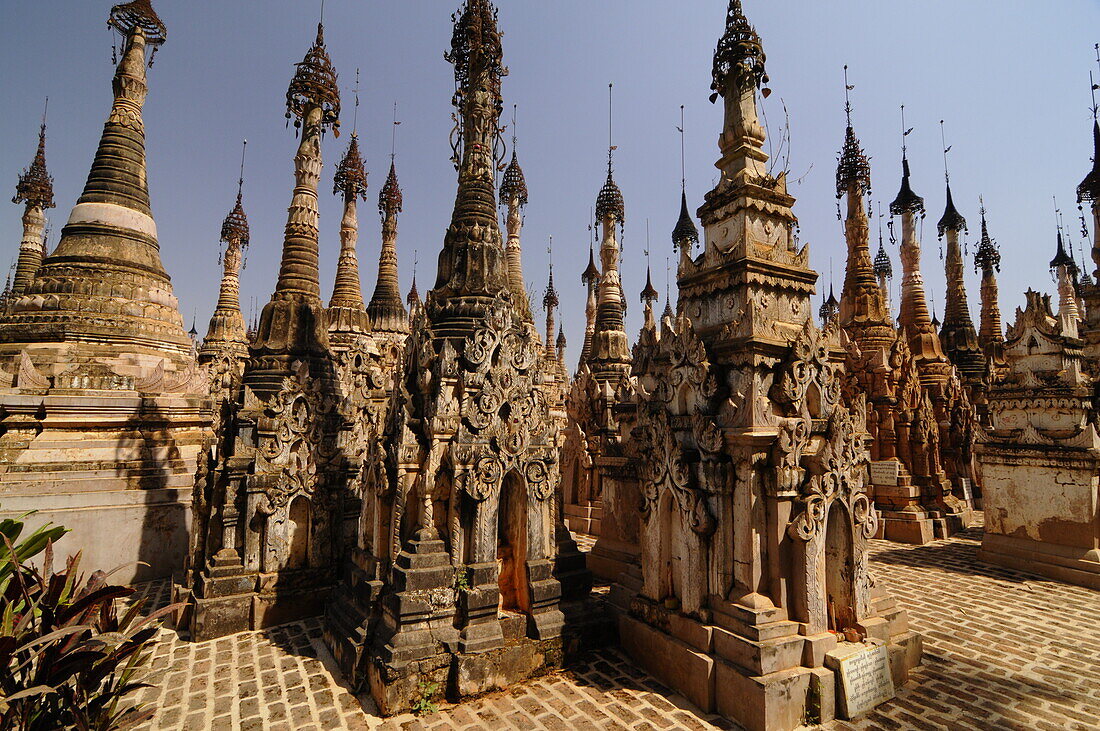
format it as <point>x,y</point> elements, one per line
<point>1003,649</point>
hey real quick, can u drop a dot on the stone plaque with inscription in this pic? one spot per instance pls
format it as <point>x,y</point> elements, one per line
<point>885,473</point>
<point>865,679</point>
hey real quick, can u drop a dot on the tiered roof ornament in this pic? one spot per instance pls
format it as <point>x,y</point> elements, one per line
<point>35,191</point>
<point>126,18</point>
<point>907,201</point>
<point>685,235</point>
<point>988,255</point>
<point>472,268</point>
<point>315,85</point>
<point>35,186</point>
<point>513,185</point>
<point>853,166</point>
<point>739,50</point>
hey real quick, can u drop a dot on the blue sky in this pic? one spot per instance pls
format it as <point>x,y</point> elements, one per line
<point>1010,78</point>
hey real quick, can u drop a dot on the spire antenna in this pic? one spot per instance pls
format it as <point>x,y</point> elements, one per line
<point>610,117</point>
<point>46,109</point>
<point>847,99</point>
<point>240,180</point>
<point>946,149</point>
<point>647,243</point>
<point>515,111</point>
<point>393,134</point>
<point>683,165</point>
<point>1092,81</point>
<point>355,114</point>
<point>905,132</point>
<point>322,20</point>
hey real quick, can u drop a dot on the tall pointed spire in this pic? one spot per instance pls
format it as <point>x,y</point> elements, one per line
<point>1089,189</point>
<point>685,235</point>
<point>591,280</point>
<point>347,313</point>
<point>385,309</point>
<point>472,268</point>
<point>292,323</point>
<point>105,281</point>
<point>413,299</point>
<point>1065,270</point>
<point>550,303</point>
<point>957,334</point>
<point>610,356</point>
<point>987,260</point>
<point>227,330</point>
<point>35,191</point>
<point>884,268</point>
<point>862,310</point>
<point>914,317</point>
<point>737,73</point>
<point>513,195</point>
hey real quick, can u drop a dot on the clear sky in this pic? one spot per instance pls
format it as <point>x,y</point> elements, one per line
<point>1010,78</point>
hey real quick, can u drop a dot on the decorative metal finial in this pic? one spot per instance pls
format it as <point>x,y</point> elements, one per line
<point>315,85</point>
<point>35,186</point>
<point>355,112</point>
<point>235,225</point>
<point>907,201</point>
<point>138,16</point>
<point>550,300</point>
<point>883,267</point>
<point>853,166</point>
<point>1061,258</point>
<point>350,179</point>
<point>610,201</point>
<point>952,220</point>
<point>513,186</point>
<point>987,257</point>
<point>390,198</point>
<point>739,56</point>
<point>1089,189</point>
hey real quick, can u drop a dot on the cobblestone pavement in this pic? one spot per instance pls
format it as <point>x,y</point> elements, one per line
<point>1003,650</point>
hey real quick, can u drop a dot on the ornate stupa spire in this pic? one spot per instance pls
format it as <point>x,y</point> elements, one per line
<point>591,280</point>
<point>738,73</point>
<point>914,317</point>
<point>957,335</point>
<point>1064,270</point>
<point>667,313</point>
<point>884,268</point>
<point>385,309</point>
<point>685,235</point>
<point>226,332</point>
<point>105,282</point>
<point>347,313</point>
<point>413,298</point>
<point>35,191</point>
<point>561,347</point>
<point>649,294</point>
<point>987,260</point>
<point>472,265</point>
<point>862,310</point>
<point>550,303</point>
<point>513,195</point>
<point>610,356</point>
<point>1089,189</point>
<point>292,324</point>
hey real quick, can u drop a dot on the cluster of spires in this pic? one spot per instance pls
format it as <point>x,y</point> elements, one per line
<point>314,84</point>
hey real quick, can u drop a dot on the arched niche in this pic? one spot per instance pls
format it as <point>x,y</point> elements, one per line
<point>839,555</point>
<point>512,545</point>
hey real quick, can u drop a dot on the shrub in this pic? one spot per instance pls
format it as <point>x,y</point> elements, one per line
<point>67,659</point>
